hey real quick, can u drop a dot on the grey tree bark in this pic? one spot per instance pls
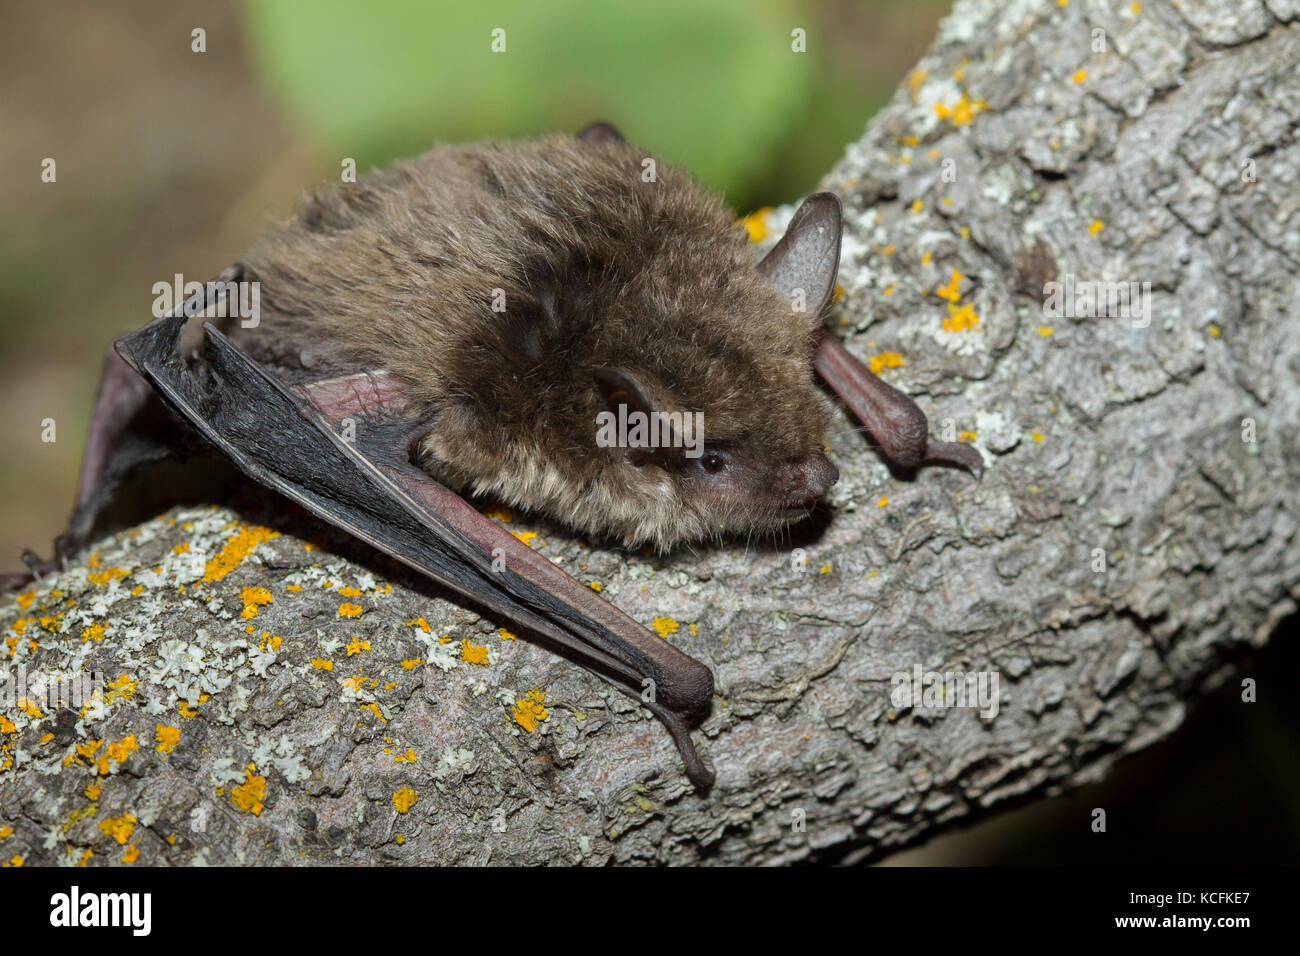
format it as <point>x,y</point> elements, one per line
<point>274,700</point>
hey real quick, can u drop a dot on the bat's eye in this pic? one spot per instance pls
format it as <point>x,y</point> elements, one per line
<point>712,462</point>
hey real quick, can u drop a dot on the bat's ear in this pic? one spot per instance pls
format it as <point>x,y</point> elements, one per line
<point>600,133</point>
<point>615,387</point>
<point>803,265</point>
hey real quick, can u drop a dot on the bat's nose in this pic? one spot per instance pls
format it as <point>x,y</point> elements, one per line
<point>807,479</point>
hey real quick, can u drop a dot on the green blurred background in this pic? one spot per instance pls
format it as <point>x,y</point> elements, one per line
<point>172,161</point>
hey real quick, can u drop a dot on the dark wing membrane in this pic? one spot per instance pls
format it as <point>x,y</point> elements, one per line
<point>285,443</point>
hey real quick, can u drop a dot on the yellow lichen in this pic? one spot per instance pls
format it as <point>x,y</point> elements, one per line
<point>472,653</point>
<point>404,799</point>
<point>167,737</point>
<point>131,854</point>
<point>357,645</point>
<point>349,610</point>
<point>960,318</point>
<point>884,360</point>
<point>756,224</point>
<point>119,828</point>
<point>961,114</point>
<point>665,626</point>
<point>529,711</point>
<point>411,663</point>
<point>949,289</point>
<point>235,550</point>
<point>248,796</point>
<point>253,597</point>
<point>101,578</point>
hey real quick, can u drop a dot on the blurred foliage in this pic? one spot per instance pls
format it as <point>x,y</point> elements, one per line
<point>713,86</point>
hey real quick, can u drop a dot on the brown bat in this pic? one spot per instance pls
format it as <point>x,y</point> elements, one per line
<point>469,321</point>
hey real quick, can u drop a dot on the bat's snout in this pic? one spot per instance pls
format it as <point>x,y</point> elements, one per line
<point>802,481</point>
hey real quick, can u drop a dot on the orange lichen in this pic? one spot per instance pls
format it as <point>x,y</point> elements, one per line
<point>357,645</point>
<point>665,626</point>
<point>235,550</point>
<point>101,578</point>
<point>949,289</point>
<point>411,663</point>
<point>350,610</point>
<point>322,664</point>
<point>960,318</point>
<point>119,828</point>
<point>167,737</point>
<point>962,113</point>
<point>94,632</point>
<point>472,653</point>
<point>884,360</point>
<point>131,854</point>
<point>756,224</point>
<point>248,796</point>
<point>404,799</point>
<point>506,635</point>
<point>529,711</point>
<point>253,597</point>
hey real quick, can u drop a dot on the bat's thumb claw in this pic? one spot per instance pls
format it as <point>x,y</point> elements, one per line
<point>955,453</point>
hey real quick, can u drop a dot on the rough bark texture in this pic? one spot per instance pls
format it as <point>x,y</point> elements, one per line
<point>294,722</point>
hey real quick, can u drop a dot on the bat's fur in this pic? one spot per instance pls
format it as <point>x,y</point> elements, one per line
<point>599,268</point>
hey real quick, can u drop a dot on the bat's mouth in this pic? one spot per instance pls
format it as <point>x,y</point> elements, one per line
<point>792,510</point>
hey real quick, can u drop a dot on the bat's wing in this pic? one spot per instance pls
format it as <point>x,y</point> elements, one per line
<point>807,259</point>
<point>283,440</point>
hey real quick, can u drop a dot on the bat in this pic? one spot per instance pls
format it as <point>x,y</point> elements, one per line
<point>474,321</point>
